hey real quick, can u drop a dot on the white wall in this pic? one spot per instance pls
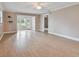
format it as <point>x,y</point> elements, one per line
<point>50,23</point>
<point>1,6</point>
<point>65,22</point>
<point>1,24</point>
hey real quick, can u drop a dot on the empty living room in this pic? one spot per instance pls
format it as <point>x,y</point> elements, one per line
<point>39,29</point>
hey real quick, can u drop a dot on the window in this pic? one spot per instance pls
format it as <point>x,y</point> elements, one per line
<point>0,17</point>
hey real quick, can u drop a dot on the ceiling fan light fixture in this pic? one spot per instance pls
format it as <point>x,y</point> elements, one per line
<point>39,7</point>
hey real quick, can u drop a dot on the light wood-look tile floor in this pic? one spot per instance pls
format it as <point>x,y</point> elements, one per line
<point>37,44</point>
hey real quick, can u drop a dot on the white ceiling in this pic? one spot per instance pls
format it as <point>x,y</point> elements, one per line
<point>27,7</point>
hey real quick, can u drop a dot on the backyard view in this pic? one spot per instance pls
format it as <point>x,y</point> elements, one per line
<point>24,23</point>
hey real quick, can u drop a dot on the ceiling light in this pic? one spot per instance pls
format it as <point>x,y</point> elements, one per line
<point>38,7</point>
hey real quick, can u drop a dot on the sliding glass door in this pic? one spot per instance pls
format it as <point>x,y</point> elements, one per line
<point>24,22</point>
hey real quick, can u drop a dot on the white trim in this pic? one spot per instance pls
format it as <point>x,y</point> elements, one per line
<point>69,5</point>
<point>68,37</point>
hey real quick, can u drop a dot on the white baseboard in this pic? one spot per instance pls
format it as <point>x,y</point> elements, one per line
<point>68,37</point>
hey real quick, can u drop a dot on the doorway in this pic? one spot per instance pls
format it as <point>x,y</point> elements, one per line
<point>25,22</point>
<point>46,23</point>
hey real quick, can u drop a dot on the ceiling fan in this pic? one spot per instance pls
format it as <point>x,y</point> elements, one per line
<point>39,5</point>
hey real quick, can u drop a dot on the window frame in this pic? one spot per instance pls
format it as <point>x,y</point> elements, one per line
<point>1,20</point>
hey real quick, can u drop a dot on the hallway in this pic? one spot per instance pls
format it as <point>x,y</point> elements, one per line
<point>29,43</point>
